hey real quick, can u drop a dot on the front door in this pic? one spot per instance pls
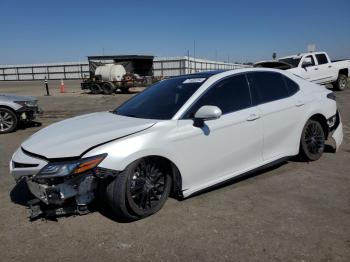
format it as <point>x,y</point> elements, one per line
<point>223,146</point>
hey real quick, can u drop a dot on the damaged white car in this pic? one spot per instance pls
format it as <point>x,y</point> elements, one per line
<point>179,136</point>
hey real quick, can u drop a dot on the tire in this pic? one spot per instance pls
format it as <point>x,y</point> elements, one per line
<point>107,88</point>
<point>341,83</point>
<point>95,89</point>
<point>124,89</point>
<point>139,191</point>
<point>8,120</point>
<point>312,141</point>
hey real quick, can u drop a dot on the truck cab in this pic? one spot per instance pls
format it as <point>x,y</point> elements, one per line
<point>313,66</point>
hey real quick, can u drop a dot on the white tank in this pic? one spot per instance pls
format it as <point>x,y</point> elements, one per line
<point>110,72</point>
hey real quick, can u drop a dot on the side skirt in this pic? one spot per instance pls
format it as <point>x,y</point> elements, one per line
<point>188,192</point>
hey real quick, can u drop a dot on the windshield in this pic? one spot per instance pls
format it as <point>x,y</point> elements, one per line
<point>292,61</point>
<point>163,99</point>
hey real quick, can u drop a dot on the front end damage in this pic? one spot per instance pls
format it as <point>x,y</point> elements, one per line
<point>60,187</point>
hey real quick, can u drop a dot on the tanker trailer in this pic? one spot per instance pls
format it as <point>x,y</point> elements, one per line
<point>110,73</point>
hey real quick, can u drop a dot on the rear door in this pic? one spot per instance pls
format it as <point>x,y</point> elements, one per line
<point>281,108</point>
<point>325,70</point>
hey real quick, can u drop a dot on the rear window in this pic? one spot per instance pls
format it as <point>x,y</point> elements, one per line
<point>322,59</point>
<point>267,87</point>
<point>291,85</point>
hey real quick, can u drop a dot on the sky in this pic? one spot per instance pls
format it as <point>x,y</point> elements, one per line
<point>40,31</point>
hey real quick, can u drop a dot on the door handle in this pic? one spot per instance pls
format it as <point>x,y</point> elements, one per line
<point>329,66</point>
<point>299,103</point>
<point>316,68</point>
<point>253,117</point>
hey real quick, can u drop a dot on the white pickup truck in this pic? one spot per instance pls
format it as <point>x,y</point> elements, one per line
<point>315,67</point>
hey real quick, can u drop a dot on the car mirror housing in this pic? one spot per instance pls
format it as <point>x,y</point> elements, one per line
<point>206,113</point>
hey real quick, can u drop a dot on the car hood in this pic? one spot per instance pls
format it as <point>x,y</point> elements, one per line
<point>74,136</point>
<point>12,97</point>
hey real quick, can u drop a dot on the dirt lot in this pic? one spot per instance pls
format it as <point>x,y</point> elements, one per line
<point>293,212</point>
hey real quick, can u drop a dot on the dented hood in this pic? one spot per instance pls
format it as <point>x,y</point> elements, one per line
<point>74,136</point>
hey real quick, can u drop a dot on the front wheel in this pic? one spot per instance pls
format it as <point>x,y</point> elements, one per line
<point>141,190</point>
<point>8,121</point>
<point>312,142</point>
<point>341,83</point>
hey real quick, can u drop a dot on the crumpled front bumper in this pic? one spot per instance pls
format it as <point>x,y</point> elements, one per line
<point>29,113</point>
<point>80,187</point>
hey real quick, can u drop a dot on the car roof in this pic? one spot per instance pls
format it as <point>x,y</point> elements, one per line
<point>205,74</point>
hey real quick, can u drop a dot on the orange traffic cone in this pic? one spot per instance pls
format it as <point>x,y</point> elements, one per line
<point>62,87</point>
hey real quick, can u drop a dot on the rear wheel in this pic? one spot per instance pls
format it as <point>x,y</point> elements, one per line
<point>312,142</point>
<point>8,120</point>
<point>95,89</point>
<point>107,88</point>
<point>341,83</point>
<point>141,190</point>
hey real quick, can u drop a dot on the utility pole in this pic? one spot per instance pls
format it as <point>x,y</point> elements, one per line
<point>194,54</point>
<point>188,61</point>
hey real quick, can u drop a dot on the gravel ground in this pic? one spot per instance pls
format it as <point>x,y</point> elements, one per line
<point>293,212</point>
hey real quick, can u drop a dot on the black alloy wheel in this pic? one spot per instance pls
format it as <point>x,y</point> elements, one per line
<point>140,190</point>
<point>312,140</point>
<point>147,186</point>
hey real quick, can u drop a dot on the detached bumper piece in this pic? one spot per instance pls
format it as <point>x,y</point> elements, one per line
<point>39,210</point>
<point>65,196</point>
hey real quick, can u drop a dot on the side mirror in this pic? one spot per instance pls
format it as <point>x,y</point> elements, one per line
<point>305,64</point>
<point>206,113</point>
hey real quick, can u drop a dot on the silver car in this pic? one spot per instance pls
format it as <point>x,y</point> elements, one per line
<point>16,109</point>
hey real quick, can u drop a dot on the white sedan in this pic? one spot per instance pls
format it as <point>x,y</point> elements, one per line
<point>179,136</point>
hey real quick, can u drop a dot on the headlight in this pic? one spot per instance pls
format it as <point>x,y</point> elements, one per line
<point>30,103</point>
<point>70,168</point>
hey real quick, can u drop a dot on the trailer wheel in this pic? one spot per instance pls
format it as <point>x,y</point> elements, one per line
<point>95,89</point>
<point>341,82</point>
<point>124,89</point>
<point>107,88</point>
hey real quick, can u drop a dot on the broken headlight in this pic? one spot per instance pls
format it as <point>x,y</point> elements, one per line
<point>62,169</point>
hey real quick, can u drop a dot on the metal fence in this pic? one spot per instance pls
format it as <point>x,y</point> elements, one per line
<point>73,70</point>
<point>162,67</point>
<point>172,66</point>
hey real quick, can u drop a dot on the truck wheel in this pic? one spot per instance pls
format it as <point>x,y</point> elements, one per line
<point>107,88</point>
<point>95,89</point>
<point>140,190</point>
<point>341,83</point>
<point>8,120</point>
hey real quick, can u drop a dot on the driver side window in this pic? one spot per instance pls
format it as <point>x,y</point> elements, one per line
<point>309,61</point>
<point>231,94</point>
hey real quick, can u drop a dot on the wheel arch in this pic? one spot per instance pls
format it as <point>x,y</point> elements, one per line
<point>323,121</point>
<point>176,188</point>
<point>344,71</point>
<point>9,108</point>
